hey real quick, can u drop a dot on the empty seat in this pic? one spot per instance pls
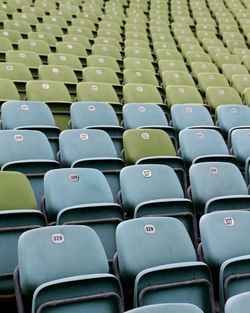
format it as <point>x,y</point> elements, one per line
<point>203,145</point>
<point>141,76</point>
<point>82,281</point>
<point>190,115</point>
<point>229,70</point>
<point>217,186</point>
<point>91,148</point>
<point>98,92</point>
<point>29,152</point>
<point>8,91</point>
<point>203,67</point>
<point>178,94</point>
<point>206,80</point>
<point>240,82</point>
<point>80,205</point>
<point>141,93</point>
<point>221,95</point>
<point>18,213</point>
<point>149,272</point>
<point>239,302</point>
<point>30,115</point>
<point>97,115</point>
<point>38,46</point>
<point>139,63</point>
<point>155,190</point>
<point>177,78</point>
<point>172,65</point>
<point>228,261</point>
<point>102,61</point>
<point>67,60</point>
<point>169,307</point>
<point>55,94</point>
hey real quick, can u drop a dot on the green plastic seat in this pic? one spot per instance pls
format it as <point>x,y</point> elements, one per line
<point>82,281</point>
<point>153,266</point>
<point>207,145</point>
<point>81,39</point>
<point>106,50</point>
<point>217,186</point>
<point>137,52</point>
<point>16,72</point>
<point>139,64</point>
<point>230,260</point>
<point>206,80</point>
<point>107,41</point>
<point>235,44</point>
<point>190,115</point>
<point>13,35</point>
<point>61,13</point>
<point>136,76</point>
<point>141,93</point>
<point>177,78</point>
<point>169,307</point>
<point>221,95</point>
<point>240,82</point>
<point>229,70</point>
<point>186,50</point>
<point>213,51</point>
<point>38,46</point>
<point>55,20</point>
<point>171,54</point>
<point>197,56</point>
<point>99,74</point>
<point>30,18</point>
<point>47,37</point>
<point>91,148</point>
<point>30,115</point>
<point>221,59</point>
<point>39,12</point>
<point>5,46</point>
<point>239,302</point>
<point>97,115</point>
<point>178,94</point>
<point>80,205</point>
<point>17,155</point>
<point>172,65</point>
<point>50,28</point>
<point>18,213</point>
<point>29,58</point>
<point>20,26</point>
<point>80,30</point>
<point>109,33</point>
<point>84,22</point>
<point>103,61</point>
<point>8,91</point>
<point>74,48</point>
<point>98,92</point>
<point>55,94</point>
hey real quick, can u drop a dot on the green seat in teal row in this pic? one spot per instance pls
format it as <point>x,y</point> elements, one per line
<point>18,213</point>
<point>152,146</point>
<point>30,115</point>
<point>68,277</point>
<point>97,115</point>
<point>191,116</point>
<point>92,148</point>
<point>80,205</point>
<point>55,94</point>
<point>180,94</point>
<point>238,303</point>
<point>169,308</point>
<point>29,152</point>
<point>217,186</point>
<point>203,145</point>
<point>151,274</point>
<point>230,117</point>
<point>155,190</point>
<point>228,258</point>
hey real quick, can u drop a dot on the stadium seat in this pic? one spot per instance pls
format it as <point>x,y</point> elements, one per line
<point>50,39</point>
<point>206,80</point>
<point>18,213</point>
<point>217,186</point>
<point>221,95</point>
<point>82,280</point>
<point>179,94</point>
<point>172,65</point>
<point>13,35</point>
<point>17,155</point>
<point>221,59</point>
<point>190,115</point>
<point>140,76</point>
<point>239,302</point>
<point>139,63</point>
<point>5,46</point>
<point>150,273</point>
<point>97,115</point>
<point>50,28</point>
<point>240,82</point>
<point>38,46</point>
<point>177,78</point>
<point>169,307</point>
<point>30,115</point>
<point>207,145</point>
<point>229,70</point>
<point>21,26</point>
<point>203,67</point>
<point>103,61</point>
<point>8,91</point>
<point>80,205</point>
<point>92,148</point>
<point>159,193</point>
<point>228,261</point>
<point>141,93</point>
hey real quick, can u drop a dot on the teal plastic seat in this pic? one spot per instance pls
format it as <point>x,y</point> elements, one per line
<point>80,282</point>
<point>91,148</point>
<point>30,115</point>
<point>169,308</point>
<point>190,115</point>
<point>238,303</point>
<point>18,213</point>
<point>230,117</point>
<point>228,258</point>
<point>203,145</point>
<point>151,274</point>
<point>217,186</point>
<point>28,152</point>
<point>80,205</point>
<point>97,115</point>
<point>155,190</point>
